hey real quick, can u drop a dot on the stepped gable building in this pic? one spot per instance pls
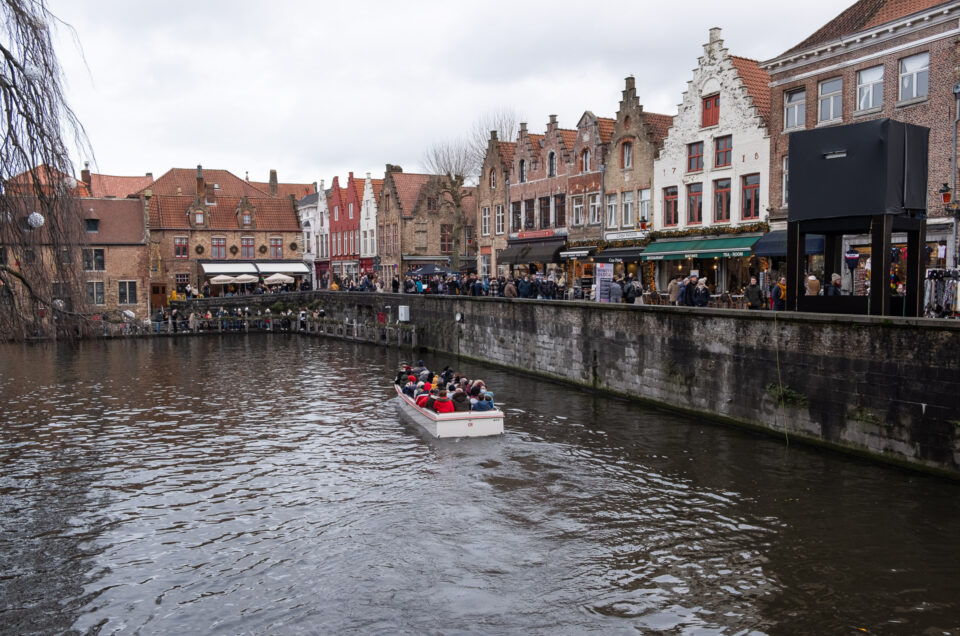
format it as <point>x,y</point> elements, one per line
<point>628,180</point>
<point>710,204</point>
<point>315,221</point>
<point>369,237</point>
<point>493,202</point>
<point>894,59</point>
<point>276,189</point>
<point>205,223</point>
<point>344,228</point>
<point>398,199</point>
<point>538,207</point>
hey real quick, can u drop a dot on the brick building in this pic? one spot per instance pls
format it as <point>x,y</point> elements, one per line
<point>344,205</point>
<point>893,59</point>
<point>205,223</point>
<point>628,181</point>
<point>369,197</point>
<point>711,177</point>
<point>493,203</point>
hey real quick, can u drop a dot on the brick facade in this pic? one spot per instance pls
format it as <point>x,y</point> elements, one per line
<point>493,204</point>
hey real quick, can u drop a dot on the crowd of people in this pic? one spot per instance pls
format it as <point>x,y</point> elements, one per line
<point>443,392</point>
<point>242,289</point>
<point>692,291</point>
<point>233,319</point>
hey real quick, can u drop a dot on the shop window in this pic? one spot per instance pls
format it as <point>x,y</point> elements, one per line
<point>915,76</point>
<point>711,111</point>
<point>695,203</point>
<point>870,88</point>
<point>670,212</point>
<point>751,197</point>
<point>721,200</point>
<point>723,151</point>
<point>695,156</point>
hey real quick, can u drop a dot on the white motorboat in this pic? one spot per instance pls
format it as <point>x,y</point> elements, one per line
<point>459,424</point>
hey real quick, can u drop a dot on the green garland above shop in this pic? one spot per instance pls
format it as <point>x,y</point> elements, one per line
<point>712,230</point>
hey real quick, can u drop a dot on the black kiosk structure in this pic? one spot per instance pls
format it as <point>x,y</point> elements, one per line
<point>865,178</point>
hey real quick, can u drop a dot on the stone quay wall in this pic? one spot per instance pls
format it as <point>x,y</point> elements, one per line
<point>886,388</point>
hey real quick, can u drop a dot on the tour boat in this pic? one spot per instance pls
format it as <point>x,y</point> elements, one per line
<point>459,424</point>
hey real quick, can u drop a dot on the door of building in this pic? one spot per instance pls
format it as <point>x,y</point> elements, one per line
<point>158,296</point>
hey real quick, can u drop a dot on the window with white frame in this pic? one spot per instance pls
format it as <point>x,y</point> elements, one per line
<point>627,219</point>
<point>831,106</point>
<point>336,213</point>
<point>578,210</point>
<point>594,202</point>
<point>870,88</point>
<point>915,76</point>
<point>485,221</point>
<point>350,211</point>
<point>786,178</point>
<point>611,210</point>
<point>500,219</point>
<point>552,164</point>
<point>644,211</point>
<point>795,109</point>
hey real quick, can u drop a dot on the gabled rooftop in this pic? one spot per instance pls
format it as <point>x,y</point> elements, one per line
<point>757,82</point>
<point>185,179</point>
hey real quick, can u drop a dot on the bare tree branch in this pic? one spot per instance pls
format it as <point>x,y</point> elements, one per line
<point>504,120</point>
<point>451,162</point>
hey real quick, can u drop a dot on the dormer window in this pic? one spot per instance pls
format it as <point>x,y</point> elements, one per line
<point>247,218</point>
<point>198,217</point>
<point>92,225</point>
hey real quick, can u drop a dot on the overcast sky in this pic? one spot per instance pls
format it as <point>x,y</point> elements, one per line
<point>316,89</point>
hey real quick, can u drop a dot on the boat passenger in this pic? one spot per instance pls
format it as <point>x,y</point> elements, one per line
<point>403,374</point>
<point>489,394</point>
<point>486,404</point>
<point>432,399</point>
<point>475,394</point>
<point>417,369</point>
<point>410,388</point>
<point>460,401</point>
<point>451,389</point>
<point>423,397</point>
<point>443,404</point>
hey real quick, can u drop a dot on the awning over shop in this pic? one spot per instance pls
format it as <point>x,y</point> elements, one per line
<point>726,247</point>
<point>293,267</point>
<point>626,254</point>
<point>545,252</point>
<point>228,267</point>
<point>513,254</point>
<point>775,244</point>
<point>578,252</point>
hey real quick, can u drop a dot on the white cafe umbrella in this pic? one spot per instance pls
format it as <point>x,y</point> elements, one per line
<point>222,279</point>
<point>278,278</point>
<point>246,278</point>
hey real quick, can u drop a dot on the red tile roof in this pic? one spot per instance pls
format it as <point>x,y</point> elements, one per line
<point>660,125</point>
<point>865,14</point>
<point>757,82</point>
<point>121,220</point>
<point>271,214</point>
<point>606,125</point>
<point>107,185</point>
<point>186,179</point>
<point>568,136</point>
<point>298,190</point>
<point>536,141</point>
<point>22,183</point>
<point>377,185</point>
<point>507,148</point>
<point>408,189</point>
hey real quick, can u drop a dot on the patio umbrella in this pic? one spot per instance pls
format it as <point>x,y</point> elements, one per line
<point>246,278</point>
<point>222,279</point>
<point>278,278</point>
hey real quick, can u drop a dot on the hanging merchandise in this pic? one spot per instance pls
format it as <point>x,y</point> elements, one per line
<point>941,297</point>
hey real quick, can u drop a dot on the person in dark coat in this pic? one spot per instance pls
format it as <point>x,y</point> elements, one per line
<point>753,294</point>
<point>833,289</point>
<point>630,290</point>
<point>691,290</point>
<point>616,291</point>
<point>395,285</point>
<point>701,295</point>
<point>780,294</point>
<point>523,287</point>
<point>460,401</point>
<point>682,292</point>
<point>510,290</point>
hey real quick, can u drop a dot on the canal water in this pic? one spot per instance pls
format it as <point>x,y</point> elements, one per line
<point>265,484</point>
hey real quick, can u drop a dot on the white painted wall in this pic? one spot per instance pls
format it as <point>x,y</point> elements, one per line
<point>368,221</point>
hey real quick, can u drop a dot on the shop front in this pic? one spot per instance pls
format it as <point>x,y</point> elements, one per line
<point>533,256</point>
<point>772,250</point>
<point>726,262</point>
<point>366,266</point>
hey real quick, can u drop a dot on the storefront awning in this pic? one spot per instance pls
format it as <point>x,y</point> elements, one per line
<point>726,247</point>
<point>513,253</point>
<point>618,254</point>
<point>545,252</point>
<point>297,267</point>
<point>775,244</point>
<point>228,267</point>
<point>578,252</point>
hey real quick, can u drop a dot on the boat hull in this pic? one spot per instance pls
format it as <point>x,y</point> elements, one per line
<point>461,424</point>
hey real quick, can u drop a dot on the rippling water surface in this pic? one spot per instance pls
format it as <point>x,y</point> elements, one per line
<point>265,484</point>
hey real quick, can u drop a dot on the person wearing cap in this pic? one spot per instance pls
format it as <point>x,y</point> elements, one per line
<point>833,289</point>
<point>410,388</point>
<point>423,397</point>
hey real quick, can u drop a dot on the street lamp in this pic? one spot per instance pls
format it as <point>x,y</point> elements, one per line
<point>951,206</point>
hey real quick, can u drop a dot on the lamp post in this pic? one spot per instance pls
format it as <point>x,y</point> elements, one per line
<point>951,206</point>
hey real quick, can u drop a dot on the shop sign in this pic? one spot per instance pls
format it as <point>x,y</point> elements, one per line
<point>534,234</point>
<point>737,254</point>
<point>623,236</point>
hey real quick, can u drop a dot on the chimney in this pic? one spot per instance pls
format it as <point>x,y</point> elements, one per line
<point>368,175</point>
<point>149,174</point>
<point>393,168</point>
<point>315,187</point>
<point>273,183</point>
<point>85,173</point>
<point>321,186</point>
<point>631,83</point>
<point>200,187</point>
<point>553,119</point>
<point>493,135</point>
<point>523,128</point>
<point>714,35</point>
<point>210,194</point>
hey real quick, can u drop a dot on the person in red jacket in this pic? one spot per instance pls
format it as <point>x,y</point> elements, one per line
<point>443,404</point>
<point>423,397</point>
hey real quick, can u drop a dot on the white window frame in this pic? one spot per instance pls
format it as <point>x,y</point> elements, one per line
<point>626,204</point>
<point>644,210</point>
<point>830,104</point>
<point>785,181</point>
<point>523,171</point>
<point>499,220</point>
<point>350,210</point>
<point>799,109</point>
<point>611,210</point>
<point>578,210</point>
<point>593,202</point>
<point>627,156</point>
<point>916,74</point>
<point>336,213</point>
<point>585,158</point>
<point>872,88</point>
<point>485,221</point>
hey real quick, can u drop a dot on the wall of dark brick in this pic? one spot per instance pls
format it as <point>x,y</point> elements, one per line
<point>887,388</point>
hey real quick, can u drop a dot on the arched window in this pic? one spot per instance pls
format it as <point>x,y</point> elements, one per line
<point>493,177</point>
<point>585,160</point>
<point>626,155</point>
<point>552,164</point>
<point>523,171</point>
